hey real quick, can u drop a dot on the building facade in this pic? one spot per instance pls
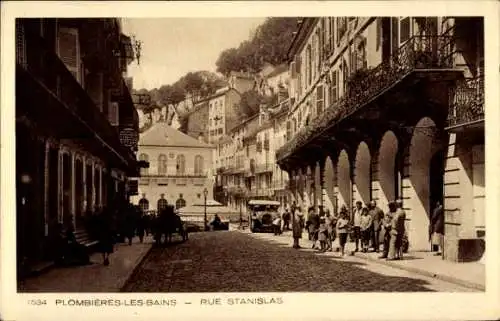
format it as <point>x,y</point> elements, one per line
<point>76,126</point>
<point>222,113</point>
<point>197,125</point>
<point>179,171</point>
<point>245,158</point>
<point>388,108</point>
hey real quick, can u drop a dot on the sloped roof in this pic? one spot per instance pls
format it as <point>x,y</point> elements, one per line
<point>278,70</point>
<point>160,134</point>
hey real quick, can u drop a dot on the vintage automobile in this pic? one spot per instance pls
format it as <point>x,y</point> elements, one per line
<point>262,214</point>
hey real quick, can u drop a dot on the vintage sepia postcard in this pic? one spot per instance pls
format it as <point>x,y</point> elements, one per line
<point>301,160</point>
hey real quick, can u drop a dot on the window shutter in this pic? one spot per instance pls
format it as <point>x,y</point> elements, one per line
<point>69,50</point>
<point>20,44</point>
<point>379,33</point>
<point>113,113</point>
<point>94,86</point>
<point>332,34</point>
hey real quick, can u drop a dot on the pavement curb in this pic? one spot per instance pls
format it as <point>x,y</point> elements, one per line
<point>446,278</point>
<point>438,276</point>
<point>136,268</point>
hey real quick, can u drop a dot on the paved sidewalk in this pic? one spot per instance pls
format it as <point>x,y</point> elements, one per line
<point>94,277</point>
<point>471,275</point>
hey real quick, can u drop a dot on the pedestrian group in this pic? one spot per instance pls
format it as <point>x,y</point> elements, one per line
<point>368,227</point>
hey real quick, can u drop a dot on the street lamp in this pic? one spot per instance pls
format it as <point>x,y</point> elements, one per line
<point>205,193</point>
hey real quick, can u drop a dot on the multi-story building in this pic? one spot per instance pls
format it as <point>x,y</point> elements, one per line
<point>222,113</point>
<point>390,108</point>
<point>179,171</point>
<point>278,116</point>
<point>197,124</point>
<point>76,126</point>
<point>233,162</point>
<point>245,158</point>
<point>241,81</point>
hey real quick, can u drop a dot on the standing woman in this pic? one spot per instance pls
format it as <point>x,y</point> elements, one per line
<point>297,226</point>
<point>330,230</point>
<point>436,228</point>
<point>343,229</point>
<point>106,237</point>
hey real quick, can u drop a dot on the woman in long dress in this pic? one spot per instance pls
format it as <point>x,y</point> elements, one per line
<point>436,229</point>
<point>106,235</point>
<point>297,226</point>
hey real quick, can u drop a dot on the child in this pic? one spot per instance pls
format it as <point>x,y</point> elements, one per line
<point>322,234</point>
<point>343,229</point>
<point>277,225</point>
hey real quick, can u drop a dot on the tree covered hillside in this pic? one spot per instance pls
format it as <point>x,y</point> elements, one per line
<point>269,44</point>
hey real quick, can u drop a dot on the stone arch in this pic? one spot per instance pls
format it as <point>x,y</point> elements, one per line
<point>423,146</point>
<point>344,181</point>
<point>386,169</point>
<point>362,174</point>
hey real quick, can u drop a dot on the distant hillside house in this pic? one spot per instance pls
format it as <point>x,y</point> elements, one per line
<point>180,168</point>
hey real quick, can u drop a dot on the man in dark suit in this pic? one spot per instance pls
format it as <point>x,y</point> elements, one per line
<point>377,217</point>
<point>397,232</point>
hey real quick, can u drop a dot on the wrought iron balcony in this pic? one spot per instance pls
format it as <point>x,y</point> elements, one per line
<point>237,190</point>
<point>278,185</point>
<point>261,192</point>
<point>467,102</point>
<point>418,53</point>
<point>264,168</point>
<point>76,115</point>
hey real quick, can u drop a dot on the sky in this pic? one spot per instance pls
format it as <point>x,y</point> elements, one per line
<point>172,47</point>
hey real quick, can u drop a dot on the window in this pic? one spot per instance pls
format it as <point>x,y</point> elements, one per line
<point>404,29</point>
<point>341,28</point>
<point>180,203</point>
<point>161,204</point>
<point>144,204</point>
<point>334,91</point>
<point>162,164</point>
<point>220,131</point>
<point>293,73</point>
<point>361,55</point>
<point>288,130</point>
<point>198,165</point>
<point>144,157</point>
<point>319,100</point>
<point>181,163</point>
<point>68,49</point>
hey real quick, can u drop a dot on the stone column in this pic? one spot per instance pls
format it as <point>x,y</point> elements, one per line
<point>46,188</point>
<point>72,188</point>
<point>93,204</point>
<point>84,184</point>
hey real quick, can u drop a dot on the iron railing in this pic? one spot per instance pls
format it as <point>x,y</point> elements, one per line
<point>44,65</point>
<point>419,52</point>
<point>264,168</point>
<point>277,185</point>
<point>467,102</point>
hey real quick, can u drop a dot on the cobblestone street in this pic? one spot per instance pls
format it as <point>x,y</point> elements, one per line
<point>238,261</point>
